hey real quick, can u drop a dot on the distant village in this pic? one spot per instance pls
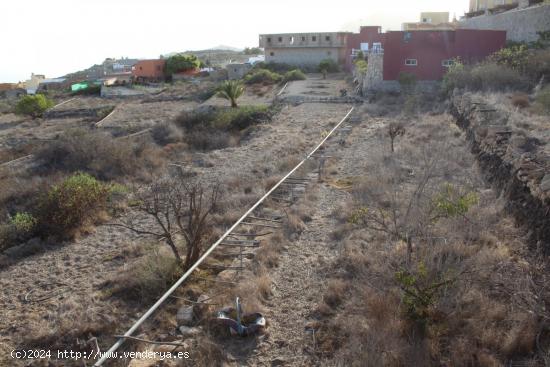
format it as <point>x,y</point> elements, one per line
<point>425,48</point>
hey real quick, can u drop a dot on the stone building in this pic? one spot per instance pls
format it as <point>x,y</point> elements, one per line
<point>237,70</point>
<point>304,50</point>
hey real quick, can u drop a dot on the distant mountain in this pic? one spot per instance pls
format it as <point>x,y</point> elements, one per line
<point>220,48</point>
<point>225,48</point>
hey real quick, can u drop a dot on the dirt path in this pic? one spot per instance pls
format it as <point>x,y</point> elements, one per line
<point>300,280</point>
<point>69,276</point>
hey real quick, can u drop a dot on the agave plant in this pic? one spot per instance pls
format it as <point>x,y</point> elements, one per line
<point>231,90</point>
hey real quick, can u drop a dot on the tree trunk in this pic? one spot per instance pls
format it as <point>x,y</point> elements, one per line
<point>409,250</point>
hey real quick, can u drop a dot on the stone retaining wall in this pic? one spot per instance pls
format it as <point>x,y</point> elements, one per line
<point>519,24</point>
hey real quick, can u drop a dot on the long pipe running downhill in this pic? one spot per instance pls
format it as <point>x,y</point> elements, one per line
<point>165,296</point>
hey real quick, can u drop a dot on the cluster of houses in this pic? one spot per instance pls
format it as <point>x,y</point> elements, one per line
<point>119,72</point>
<point>425,49</point>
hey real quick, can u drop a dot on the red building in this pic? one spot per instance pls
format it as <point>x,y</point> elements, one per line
<point>428,54</point>
<point>369,39</point>
<point>151,70</point>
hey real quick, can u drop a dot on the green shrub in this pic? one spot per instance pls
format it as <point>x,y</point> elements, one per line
<point>275,67</point>
<point>23,222</point>
<point>487,76</point>
<point>74,202</point>
<point>328,66</point>
<point>361,65</point>
<point>295,74</point>
<point>216,129</point>
<point>262,76</point>
<point>231,90</point>
<point>421,291</point>
<point>180,62</point>
<point>514,57</point>
<point>453,202</point>
<point>33,106</point>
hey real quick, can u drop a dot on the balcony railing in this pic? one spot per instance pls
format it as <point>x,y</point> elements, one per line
<point>377,50</point>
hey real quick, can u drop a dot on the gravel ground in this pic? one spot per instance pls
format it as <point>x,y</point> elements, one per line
<point>67,277</point>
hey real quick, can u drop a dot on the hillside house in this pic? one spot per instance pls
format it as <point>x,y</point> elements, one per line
<point>428,54</point>
<point>149,70</point>
<point>370,39</point>
<point>51,84</point>
<point>31,85</point>
<point>431,21</point>
<point>304,50</point>
<point>237,70</point>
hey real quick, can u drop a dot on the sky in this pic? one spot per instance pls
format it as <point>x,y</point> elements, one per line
<point>56,37</point>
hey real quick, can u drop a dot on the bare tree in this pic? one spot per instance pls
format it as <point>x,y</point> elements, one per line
<point>395,130</point>
<point>181,212</point>
<point>398,201</point>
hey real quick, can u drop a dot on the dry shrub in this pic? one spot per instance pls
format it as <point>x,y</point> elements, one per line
<point>521,339</point>
<point>100,154</point>
<point>64,323</point>
<point>264,286</point>
<point>293,225</point>
<point>335,292</point>
<point>520,100</point>
<point>146,278</point>
<point>268,254</point>
<point>206,352</point>
<point>483,292</point>
<point>166,133</point>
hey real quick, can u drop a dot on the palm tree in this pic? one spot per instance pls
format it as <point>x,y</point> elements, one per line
<point>231,90</point>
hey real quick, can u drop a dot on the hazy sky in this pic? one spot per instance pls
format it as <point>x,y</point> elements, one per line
<point>55,37</point>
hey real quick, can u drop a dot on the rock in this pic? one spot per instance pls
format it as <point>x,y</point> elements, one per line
<point>187,331</point>
<point>278,362</point>
<point>185,316</point>
<point>545,183</point>
<point>201,308</point>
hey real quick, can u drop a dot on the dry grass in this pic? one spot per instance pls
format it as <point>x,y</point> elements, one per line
<point>492,308</point>
<point>101,155</point>
<point>520,100</point>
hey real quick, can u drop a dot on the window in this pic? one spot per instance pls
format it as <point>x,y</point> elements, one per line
<point>291,40</point>
<point>140,68</point>
<point>303,38</point>
<point>364,46</point>
<point>158,67</point>
<point>411,62</point>
<point>447,63</point>
<point>407,37</point>
<point>314,38</point>
<point>272,54</point>
<point>327,38</point>
<point>268,39</point>
<point>280,39</point>
<point>377,47</point>
<point>329,53</point>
